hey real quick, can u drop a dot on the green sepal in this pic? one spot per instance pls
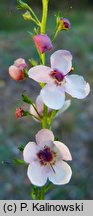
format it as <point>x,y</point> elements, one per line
<point>18,161</point>
<point>26,99</point>
<point>21,148</point>
<point>22,5</point>
<point>32,62</point>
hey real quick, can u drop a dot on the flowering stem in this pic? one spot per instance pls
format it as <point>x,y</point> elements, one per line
<point>44,16</point>
<point>45,120</point>
<point>43,30</point>
<point>42,57</point>
<point>43,23</point>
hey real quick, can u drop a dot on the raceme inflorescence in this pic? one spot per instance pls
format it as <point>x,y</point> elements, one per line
<point>46,157</point>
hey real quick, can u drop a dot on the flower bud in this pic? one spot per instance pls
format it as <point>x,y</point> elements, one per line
<point>19,113</point>
<point>64,24</point>
<point>17,70</point>
<point>27,15</point>
<point>43,43</point>
<point>19,62</point>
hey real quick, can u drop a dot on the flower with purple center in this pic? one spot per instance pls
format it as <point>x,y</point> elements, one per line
<point>43,43</point>
<point>46,159</point>
<point>58,80</point>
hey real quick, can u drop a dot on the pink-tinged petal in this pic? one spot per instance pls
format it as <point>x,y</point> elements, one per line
<point>33,112</point>
<point>19,62</point>
<point>53,96</point>
<point>16,73</point>
<point>66,155</point>
<point>37,174</point>
<point>30,152</point>
<point>61,61</point>
<point>76,86</point>
<point>62,174</point>
<point>87,89</point>
<point>44,135</point>
<point>64,108</point>
<point>40,73</point>
<point>40,104</point>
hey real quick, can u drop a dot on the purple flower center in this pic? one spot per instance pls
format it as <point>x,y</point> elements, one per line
<point>45,155</point>
<point>66,25</point>
<point>57,75</point>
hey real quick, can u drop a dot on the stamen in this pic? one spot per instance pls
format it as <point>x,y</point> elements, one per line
<point>52,168</point>
<point>47,156</point>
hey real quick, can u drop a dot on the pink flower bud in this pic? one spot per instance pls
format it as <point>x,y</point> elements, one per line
<point>16,71</point>
<point>43,43</point>
<point>19,113</point>
<point>64,24</point>
<point>20,62</point>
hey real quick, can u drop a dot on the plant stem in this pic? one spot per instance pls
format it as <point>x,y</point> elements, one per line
<point>37,20</point>
<point>41,192</point>
<point>43,23</point>
<point>44,16</point>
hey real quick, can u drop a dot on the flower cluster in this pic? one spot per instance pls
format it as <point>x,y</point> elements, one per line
<point>46,157</point>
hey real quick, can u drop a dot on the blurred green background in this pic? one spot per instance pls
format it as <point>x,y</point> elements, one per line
<point>75,128</point>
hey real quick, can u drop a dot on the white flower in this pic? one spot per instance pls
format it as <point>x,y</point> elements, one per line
<point>58,81</point>
<point>40,108</point>
<point>46,160</point>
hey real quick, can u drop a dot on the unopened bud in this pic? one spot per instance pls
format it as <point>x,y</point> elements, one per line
<point>19,113</point>
<point>64,24</point>
<point>27,15</point>
<point>17,70</point>
<point>43,43</point>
